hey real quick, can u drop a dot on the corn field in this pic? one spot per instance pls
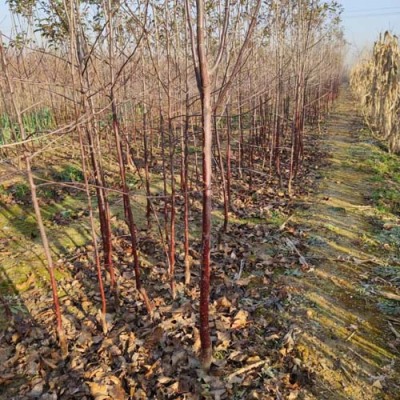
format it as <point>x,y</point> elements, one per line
<point>375,82</point>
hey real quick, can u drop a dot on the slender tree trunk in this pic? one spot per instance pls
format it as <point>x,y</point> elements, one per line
<point>228,158</point>
<point>121,163</point>
<point>185,165</point>
<point>223,178</point>
<point>60,331</point>
<point>206,119</point>
<point>86,181</point>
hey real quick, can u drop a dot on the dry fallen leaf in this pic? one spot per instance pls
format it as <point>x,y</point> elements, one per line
<point>115,391</point>
<point>240,319</point>
<point>178,357</point>
<point>98,391</point>
<point>223,302</point>
<point>196,338</point>
<point>6,379</point>
<point>377,384</point>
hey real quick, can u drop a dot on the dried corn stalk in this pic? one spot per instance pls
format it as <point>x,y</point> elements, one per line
<point>375,82</point>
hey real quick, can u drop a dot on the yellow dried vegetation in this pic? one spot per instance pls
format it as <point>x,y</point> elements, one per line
<point>375,82</point>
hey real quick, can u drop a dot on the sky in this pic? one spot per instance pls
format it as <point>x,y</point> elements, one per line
<point>4,18</point>
<point>363,20</point>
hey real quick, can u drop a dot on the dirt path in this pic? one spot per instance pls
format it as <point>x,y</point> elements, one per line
<point>346,338</point>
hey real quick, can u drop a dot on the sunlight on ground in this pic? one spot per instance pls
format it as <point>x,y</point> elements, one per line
<point>343,322</point>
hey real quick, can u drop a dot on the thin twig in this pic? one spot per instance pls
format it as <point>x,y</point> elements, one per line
<point>245,369</point>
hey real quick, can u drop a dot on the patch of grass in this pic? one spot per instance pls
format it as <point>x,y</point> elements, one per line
<point>234,219</point>
<point>383,164</point>
<point>387,199</point>
<point>132,181</point>
<point>47,193</point>
<point>333,229</point>
<point>377,178</point>
<point>276,218</point>
<point>367,241</point>
<point>390,273</point>
<point>340,210</point>
<point>69,173</point>
<point>391,237</point>
<point>383,171</point>
<point>20,191</point>
<point>389,307</point>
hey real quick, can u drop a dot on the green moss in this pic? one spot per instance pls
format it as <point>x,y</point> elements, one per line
<point>19,229</point>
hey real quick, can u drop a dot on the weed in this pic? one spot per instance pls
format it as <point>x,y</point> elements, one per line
<point>70,174</point>
<point>387,199</point>
<point>366,240</point>
<point>220,354</point>
<point>20,191</point>
<point>390,273</point>
<point>34,122</point>
<point>194,149</point>
<point>15,304</point>
<point>132,181</point>
<point>277,218</point>
<point>316,241</point>
<point>294,272</point>
<point>340,210</point>
<point>47,193</point>
<point>391,237</point>
<point>389,307</point>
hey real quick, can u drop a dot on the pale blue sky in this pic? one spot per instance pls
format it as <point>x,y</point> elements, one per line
<point>4,17</point>
<point>362,20</point>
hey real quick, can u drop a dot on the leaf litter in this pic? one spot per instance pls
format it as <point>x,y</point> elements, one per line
<point>255,353</point>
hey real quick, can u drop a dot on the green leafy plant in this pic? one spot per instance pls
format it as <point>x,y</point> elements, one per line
<point>20,191</point>
<point>389,307</point>
<point>48,193</point>
<point>34,122</point>
<point>15,304</point>
<point>391,237</point>
<point>70,174</point>
<point>387,199</point>
<point>132,181</point>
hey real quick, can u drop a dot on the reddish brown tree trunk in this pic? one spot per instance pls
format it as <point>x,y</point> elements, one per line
<point>206,119</point>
